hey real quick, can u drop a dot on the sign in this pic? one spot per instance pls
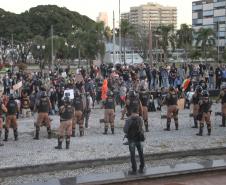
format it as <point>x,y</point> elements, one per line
<point>17,86</point>
<point>69,93</point>
<point>64,74</point>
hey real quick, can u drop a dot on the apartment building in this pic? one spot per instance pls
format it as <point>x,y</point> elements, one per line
<point>152,13</point>
<point>211,14</point>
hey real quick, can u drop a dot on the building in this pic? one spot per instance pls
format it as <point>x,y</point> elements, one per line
<point>152,13</point>
<point>211,14</point>
<point>103,17</point>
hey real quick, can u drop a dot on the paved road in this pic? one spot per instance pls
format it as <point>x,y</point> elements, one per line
<point>204,179</point>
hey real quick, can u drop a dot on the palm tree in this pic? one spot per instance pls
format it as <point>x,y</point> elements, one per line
<point>184,38</point>
<point>167,38</point>
<point>205,38</point>
<point>126,30</point>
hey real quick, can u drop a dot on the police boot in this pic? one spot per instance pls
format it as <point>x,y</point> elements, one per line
<point>15,134</point>
<point>49,132</point>
<point>37,133</point>
<point>59,143</point>
<point>105,131</point>
<point>146,126</point>
<point>67,142</point>
<point>6,134</point>
<point>209,131</point>
<point>200,132</point>
<point>81,133</point>
<point>73,133</point>
<point>195,123</point>
<point>176,126</point>
<point>223,121</point>
<point>112,130</point>
<point>167,126</point>
<point>1,144</point>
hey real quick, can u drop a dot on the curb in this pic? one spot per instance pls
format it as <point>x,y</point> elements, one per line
<point>69,165</point>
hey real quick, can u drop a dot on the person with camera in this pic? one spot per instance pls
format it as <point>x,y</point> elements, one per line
<point>135,134</point>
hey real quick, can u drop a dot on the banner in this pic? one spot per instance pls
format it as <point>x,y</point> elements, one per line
<point>69,93</point>
<point>17,86</point>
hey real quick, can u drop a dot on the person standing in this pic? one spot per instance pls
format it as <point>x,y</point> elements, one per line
<point>78,116</point>
<point>135,134</point>
<point>88,106</point>
<point>205,112</point>
<point>223,104</point>
<point>109,113</point>
<point>44,107</point>
<point>195,101</point>
<point>145,98</point>
<point>2,109</point>
<point>172,110</point>
<point>66,113</point>
<point>12,110</point>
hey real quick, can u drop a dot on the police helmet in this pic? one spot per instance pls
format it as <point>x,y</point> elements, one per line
<point>198,89</point>
<point>205,93</point>
<point>171,89</point>
<point>11,97</point>
<point>43,94</point>
<point>77,93</point>
<point>67,100</point>
<point>109,93</point>
<point>132,93</point>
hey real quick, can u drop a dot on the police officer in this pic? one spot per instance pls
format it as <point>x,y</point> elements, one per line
<point>2,109</point>
<point>66,113</point>
<point>133,104</point>
<point>78,116</point>
<point>205,112</point>
<point>172,110</point>
<point>44,106</point>
<point>195,101</point>
<point>144,98</point>
<point>88,105</point>
<point>109,114</point>
<point>11,121</point>
<point>223,104</point>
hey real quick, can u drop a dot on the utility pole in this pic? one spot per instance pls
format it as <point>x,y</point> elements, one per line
<point>150,43</point>
<point>120,33</point>
<point>218,43</point>
<point>113,37</point>
<point>52,55</point>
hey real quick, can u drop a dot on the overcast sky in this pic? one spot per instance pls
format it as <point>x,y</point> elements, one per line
<point>91,8</point>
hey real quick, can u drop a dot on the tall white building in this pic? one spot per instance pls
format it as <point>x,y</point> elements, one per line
<point>152,13</point>
<point>103,17</point>
<point>211,14</point>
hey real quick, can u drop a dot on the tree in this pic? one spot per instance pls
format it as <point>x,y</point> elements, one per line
<point>108,34</point>
<point>184,38</point>
<point>205,39</point>
<point>167,38</point>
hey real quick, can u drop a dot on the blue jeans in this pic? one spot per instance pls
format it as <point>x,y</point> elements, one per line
<point>132,148</point>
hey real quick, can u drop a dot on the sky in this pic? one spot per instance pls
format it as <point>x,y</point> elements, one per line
<point>91,8</point>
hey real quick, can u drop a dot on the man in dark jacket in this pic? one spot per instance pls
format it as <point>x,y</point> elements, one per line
<point>134,131</point>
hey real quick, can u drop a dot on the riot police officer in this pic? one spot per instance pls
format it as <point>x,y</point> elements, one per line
<point>144,98</point>
<point>109,114</point>
<point>205,112</point>
<point>11,121</point>
<point>78,116</point>
<point>223,104</point>
<point>25,105</point>
<point>66,113</point>
<point>2,109</point>
<point>195,101</point>
<point>133,104</point>
<point>43,106</point>
<point>172,110</point>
